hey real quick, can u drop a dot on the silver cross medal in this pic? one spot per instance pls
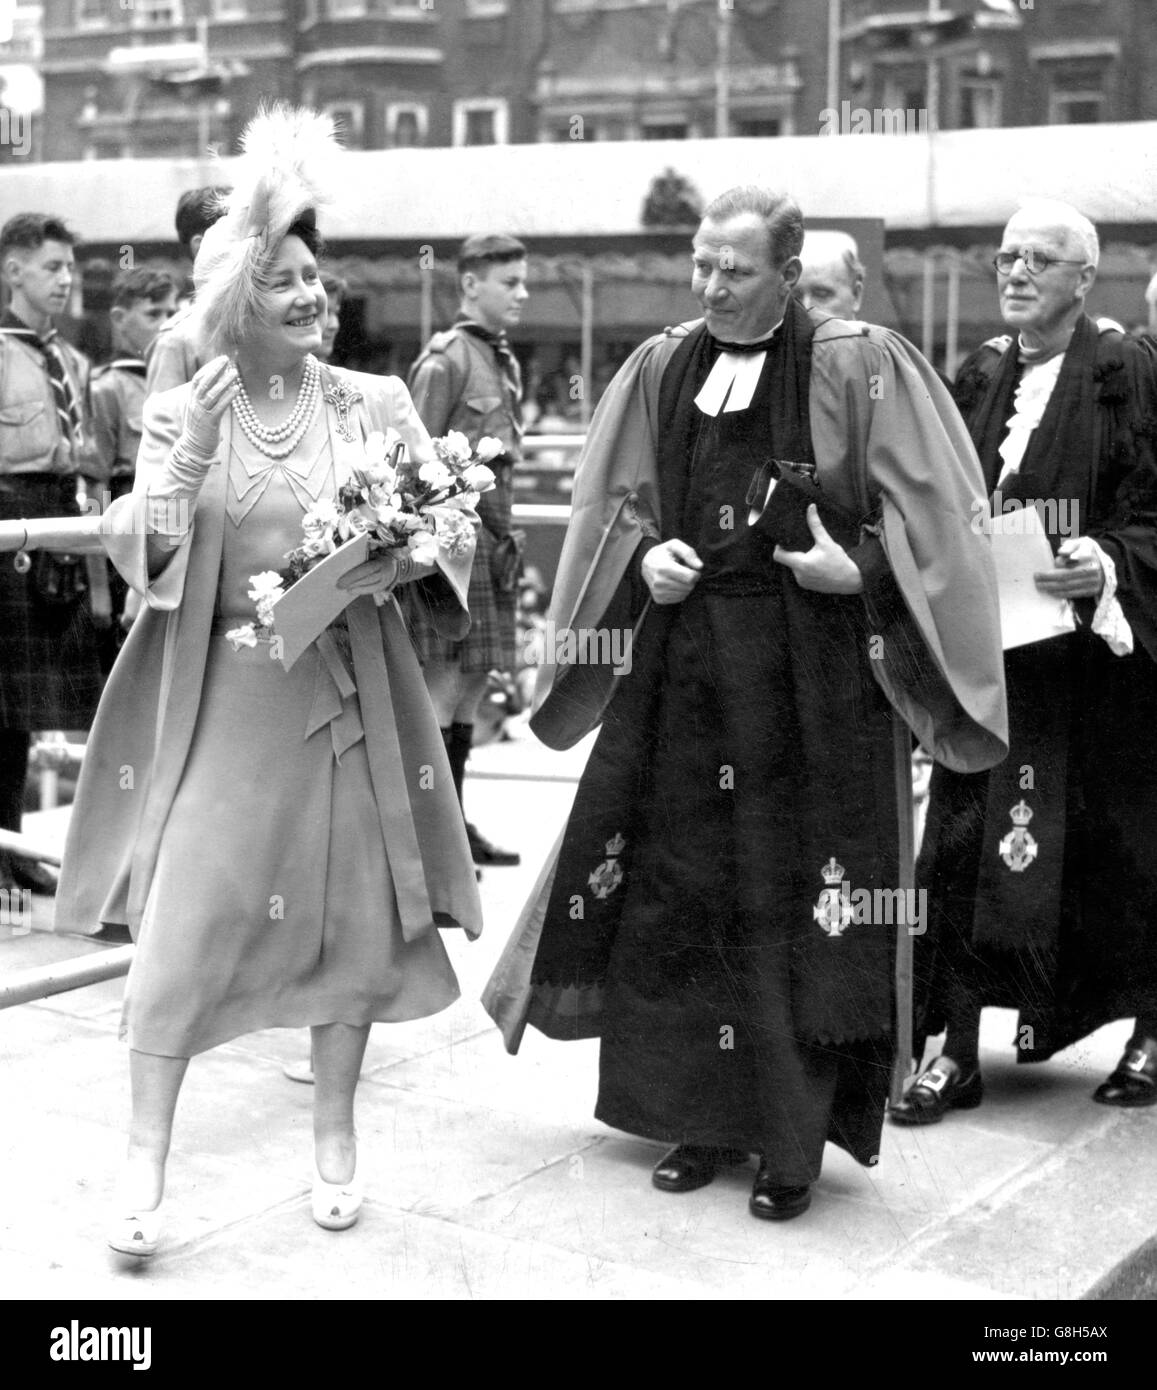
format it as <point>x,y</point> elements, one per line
<point>342,397</point>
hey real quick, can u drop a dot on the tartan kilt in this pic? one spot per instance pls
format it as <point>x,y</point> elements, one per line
<point>491,642</point>
<point>49,670</point>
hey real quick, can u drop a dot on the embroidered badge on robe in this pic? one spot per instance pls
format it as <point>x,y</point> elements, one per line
<point>607,877</point>
<point>833,911</point>
<point>1018,848</point>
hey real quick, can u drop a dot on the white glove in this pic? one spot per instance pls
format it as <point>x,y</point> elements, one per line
<point>173,492</point>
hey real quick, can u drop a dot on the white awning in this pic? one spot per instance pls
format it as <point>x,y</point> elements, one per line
<point>587,188</point>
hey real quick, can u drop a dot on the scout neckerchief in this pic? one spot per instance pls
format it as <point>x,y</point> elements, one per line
<point>507,363</point>
<point>63,392</point>
<point>135,366</point>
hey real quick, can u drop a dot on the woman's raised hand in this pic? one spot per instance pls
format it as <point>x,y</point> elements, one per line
<point>214,386</point>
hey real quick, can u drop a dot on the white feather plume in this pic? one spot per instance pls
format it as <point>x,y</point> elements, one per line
<point>289,164</point>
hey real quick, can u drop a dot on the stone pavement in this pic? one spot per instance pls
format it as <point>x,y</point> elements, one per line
<point>486,1176</point>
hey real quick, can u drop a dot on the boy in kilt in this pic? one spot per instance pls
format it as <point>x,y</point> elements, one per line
<point>49,673</point>
<point>468,379</point>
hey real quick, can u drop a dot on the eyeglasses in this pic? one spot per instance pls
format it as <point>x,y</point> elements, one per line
<point>1035,262</point>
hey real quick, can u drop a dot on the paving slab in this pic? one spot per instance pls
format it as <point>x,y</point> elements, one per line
<point>391,1255</point>
<point>545,1079</point>
<point>487,1176</point>
<point>1054,1231</point>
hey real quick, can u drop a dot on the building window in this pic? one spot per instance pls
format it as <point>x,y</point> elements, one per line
<point>350,119</point>
<point>153,14</point>
<point>1076,108</point>
<point>1079,89</point>
<point>230,9</point>
<point>480,122</point>
<point>486,9</point>
<point>756,125</point>
<point>91,14</point>
<point>980,103</point>
<point>406,124</point>
<point>906,95</point>
<point>613,128</point>
<point>347,9</point>
<point>664,130</point>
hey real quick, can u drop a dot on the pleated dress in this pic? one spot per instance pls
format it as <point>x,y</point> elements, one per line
<point>272,902</point>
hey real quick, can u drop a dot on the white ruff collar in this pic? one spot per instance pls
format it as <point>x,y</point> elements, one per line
<point>1033,392</point>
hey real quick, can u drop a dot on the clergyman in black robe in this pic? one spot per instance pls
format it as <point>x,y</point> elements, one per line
<point>701,912</point>
<point>1042,874</point>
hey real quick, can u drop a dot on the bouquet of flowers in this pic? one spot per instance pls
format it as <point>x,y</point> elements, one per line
<point>391,501</point>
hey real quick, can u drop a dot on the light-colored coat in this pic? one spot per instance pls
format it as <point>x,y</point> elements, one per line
<point>144,728</point>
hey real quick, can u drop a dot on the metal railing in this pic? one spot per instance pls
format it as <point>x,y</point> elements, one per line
<point>79,533</point>
<point>27,847</point>
<point>542,443</point>
<point>25,986</point>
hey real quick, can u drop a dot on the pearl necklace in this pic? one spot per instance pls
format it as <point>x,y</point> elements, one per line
<point>280,442</point>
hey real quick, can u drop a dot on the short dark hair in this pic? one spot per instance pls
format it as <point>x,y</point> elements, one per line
<point>132,286</point>
<point>478,251</point>
<point>28,231</point>
<point>779,211</point>
<point>197,210</point>
<point>335,286</point>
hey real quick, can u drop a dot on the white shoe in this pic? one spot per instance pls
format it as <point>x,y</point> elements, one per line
<point>138,1235</point>
<point>336,1204</point>
<point>299,1071</point>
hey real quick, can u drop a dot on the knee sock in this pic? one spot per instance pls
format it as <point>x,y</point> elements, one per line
<point>459,739</point>
<point>14,745</point>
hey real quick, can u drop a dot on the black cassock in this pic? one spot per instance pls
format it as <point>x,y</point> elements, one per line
<point>745,768</point>
<point>1042,874</point>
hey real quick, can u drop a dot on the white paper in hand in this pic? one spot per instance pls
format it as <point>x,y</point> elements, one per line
<point>1021,550</point>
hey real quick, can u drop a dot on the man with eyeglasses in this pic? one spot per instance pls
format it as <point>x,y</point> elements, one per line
<point>1042,873</point>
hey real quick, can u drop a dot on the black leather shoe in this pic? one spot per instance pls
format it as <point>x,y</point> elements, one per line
<point>689,1166</point>
<point>936,1092</point>
<point>771,1202</point>
<point>483,852</point>
<point>1135,1080</point>
<point>29,874</point>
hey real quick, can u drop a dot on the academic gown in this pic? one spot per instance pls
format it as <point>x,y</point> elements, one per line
<point>1042,874</point>
<point>745,764</point>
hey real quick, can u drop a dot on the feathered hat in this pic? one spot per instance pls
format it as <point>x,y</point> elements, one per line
<point>287,168</point>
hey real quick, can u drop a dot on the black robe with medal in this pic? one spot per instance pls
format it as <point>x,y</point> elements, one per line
<point>744,769</point>
<point>1042,874</point>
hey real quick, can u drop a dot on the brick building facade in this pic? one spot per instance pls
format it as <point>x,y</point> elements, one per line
<point>169,77</point>
<point>983,63</point>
